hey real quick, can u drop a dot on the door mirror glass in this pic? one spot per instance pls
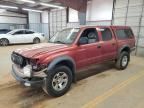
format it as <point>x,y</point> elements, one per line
<point>83,40</point>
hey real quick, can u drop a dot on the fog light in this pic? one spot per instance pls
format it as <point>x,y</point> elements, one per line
<point>27,84</point>
<point>27,70</point>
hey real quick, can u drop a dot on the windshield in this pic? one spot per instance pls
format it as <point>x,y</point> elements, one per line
<point>66,36</point>
<point>11,32</point>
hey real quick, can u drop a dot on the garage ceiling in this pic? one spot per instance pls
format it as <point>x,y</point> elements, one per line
<point>40,5</point>
<point>21,4</point>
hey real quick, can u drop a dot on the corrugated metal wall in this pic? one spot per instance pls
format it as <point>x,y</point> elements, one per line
<point>126,12</point>
<point>131,13</point>
<point>91,23</point>
<point>57,21</point>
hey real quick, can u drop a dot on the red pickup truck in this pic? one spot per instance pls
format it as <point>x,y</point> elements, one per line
<point>53,65</point>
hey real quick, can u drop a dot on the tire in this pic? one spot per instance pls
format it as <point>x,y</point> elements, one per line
<point>4,42</point>
<point>123,60</point>
<point>58,81</point>
<point>36,40</point>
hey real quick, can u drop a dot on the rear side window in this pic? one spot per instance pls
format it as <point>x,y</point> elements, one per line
<point>106,34</point>
<point>124,33</point>
<point>129,32</point>
<point>29,32</point>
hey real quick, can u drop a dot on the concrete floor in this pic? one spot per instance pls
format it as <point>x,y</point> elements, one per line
<point>100,86</point>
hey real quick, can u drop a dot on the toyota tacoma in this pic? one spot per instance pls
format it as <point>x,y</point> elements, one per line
<point>53,65</point>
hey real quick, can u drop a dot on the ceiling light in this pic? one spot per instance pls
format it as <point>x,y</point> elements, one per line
<point>25,9</point>
<point>28,1</point>
<point>51,5</point>
<point>11,7</point>
<point>2,10</point>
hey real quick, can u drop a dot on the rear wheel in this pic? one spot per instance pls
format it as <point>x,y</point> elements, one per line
<point>4,42</point>
<point>58,81</point>
<point>123,60</point>
<point>36,41</point>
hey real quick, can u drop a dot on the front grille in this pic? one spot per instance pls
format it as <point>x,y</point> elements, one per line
<point>18,59</point>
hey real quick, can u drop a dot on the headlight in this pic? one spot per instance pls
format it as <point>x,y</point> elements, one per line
<point>27,70</point>
<point>36,66</point>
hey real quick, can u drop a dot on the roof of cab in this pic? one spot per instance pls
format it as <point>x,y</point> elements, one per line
<point>88,26</point>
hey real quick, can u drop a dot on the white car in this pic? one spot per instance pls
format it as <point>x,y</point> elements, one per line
<point>21,36</point>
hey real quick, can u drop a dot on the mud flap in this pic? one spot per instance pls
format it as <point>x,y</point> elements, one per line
<point>44,85</point>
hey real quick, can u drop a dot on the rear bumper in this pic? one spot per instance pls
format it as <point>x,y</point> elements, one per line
<point>30,82</point>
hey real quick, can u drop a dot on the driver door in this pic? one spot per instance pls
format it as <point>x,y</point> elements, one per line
<point>18,36</point>
<point>89,53</point>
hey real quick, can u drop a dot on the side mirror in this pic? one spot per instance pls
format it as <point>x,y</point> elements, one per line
<point>83,40</point>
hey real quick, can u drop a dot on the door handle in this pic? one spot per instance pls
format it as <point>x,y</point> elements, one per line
<point>99,46</point>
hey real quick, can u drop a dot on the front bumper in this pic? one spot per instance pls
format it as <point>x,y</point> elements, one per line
<point>31,82</point>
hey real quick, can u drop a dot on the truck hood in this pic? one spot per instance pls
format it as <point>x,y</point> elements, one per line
<point>39,49</point>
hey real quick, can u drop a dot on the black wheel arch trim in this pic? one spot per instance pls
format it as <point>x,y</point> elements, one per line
<point>122,48</point>
<point>57,60</point>
<point>37,38</point>
<point>6,39</point>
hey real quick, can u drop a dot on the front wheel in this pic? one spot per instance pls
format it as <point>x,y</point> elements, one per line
<point>58,82</point>
<point>123,61</point>
<point>4,42</point>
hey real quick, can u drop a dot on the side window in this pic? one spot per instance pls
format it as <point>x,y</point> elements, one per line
<point>91,35</point>
<point>106,34</point>
<point>19,32</point>
<point>124,33</point>
<point>129,32</point>
<point>29,32</point>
